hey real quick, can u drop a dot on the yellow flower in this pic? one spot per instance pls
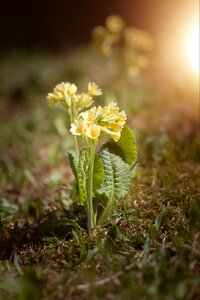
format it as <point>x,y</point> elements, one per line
<point>121,117</point>
<point>115,126</point>
<point>79,127</point>
<point>106,49</point>
<point>53,98</point>
<point>115,23</point>
<point>83,101</point>
<point>66,88</point>
<point>62,93</point>
<point>101,120</point>
<point>89,116</point>
<point>136,38</point>
<point>112,114</point>
<point>114,135</point>
<point>112,108</point>
<point>112,121</point>
<point>93,89</point>
<point>98,33</point>
<point>93,131</point>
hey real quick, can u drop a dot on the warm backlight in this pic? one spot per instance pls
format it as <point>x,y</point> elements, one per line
<point>193,49</point>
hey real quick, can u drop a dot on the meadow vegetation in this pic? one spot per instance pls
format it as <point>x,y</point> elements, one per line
<point>148,247</point>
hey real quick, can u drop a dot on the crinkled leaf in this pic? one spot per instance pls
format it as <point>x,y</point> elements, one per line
<point>117,175</point>
<point>73,161</point>
<point>82,173</point>
<point>98,173</point>
<point>125,147</point>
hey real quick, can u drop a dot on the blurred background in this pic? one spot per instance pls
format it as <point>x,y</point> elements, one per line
<point>56,26</point>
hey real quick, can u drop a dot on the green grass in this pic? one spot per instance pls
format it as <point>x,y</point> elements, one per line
<point>149,247</point>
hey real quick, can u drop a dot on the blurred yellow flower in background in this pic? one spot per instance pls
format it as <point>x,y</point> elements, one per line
<point>128,46</point>
<point>137,38</point>
<point>115,23</point>
<point>93,89</point>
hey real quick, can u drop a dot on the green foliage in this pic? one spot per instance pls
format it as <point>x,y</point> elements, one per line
<point>73,161</point>
<point>83,175</point>
<point>28,286</point>
<point>112,171</point>
<point>125,147</point>
<point>117,175</point>
<point>98,173</point>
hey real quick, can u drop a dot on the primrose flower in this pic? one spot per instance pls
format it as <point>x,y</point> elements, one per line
<point>62,93</point>
<point>121,117</point>
<point>89,116</point>
<point>137,38</point>
<point>113,116</point>
<point>79,127</point>
<point>93,131</point>
<point>114,135</point>
<point>93,89</point>
<point>99,33</point>
<point>83,101</point>
<point>66,94</point>
<point>99,121</point>
<point>112,108</point>
<point>54,98</point>
<point>115,23</point>
<point>115,126</point>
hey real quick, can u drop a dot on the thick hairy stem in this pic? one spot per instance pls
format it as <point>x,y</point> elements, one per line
<point>90,212</point>
<point>76,144</point>
<point>73,116</point>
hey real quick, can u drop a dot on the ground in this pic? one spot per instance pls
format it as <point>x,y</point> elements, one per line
<point>149,246</point>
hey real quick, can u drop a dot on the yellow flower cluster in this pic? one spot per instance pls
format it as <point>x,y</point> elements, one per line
<point>65,93</point>
<point>137,39</point>
<point>105,37</point>
<point>132,42</point>
<point>100,121</point>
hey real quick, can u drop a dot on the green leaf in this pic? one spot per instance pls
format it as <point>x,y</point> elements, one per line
<point>117,175</point>
<point>30,177</point>
<point>147,244</point>
<point>160,219</point>
<point>98,173</point>
<point>73,161</point>
<point>125,147</point>
<point>83,165</point>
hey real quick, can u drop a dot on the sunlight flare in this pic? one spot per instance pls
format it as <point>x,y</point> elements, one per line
<point>192,48</point>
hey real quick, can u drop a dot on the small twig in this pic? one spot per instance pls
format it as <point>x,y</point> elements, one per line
<point>114,278</point>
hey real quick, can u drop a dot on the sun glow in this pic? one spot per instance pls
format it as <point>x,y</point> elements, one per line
<point>192,48</point>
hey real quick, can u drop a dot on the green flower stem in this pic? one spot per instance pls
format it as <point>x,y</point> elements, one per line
<point>72,117</point>
<point>90,212</point>
<point>76,144</point>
